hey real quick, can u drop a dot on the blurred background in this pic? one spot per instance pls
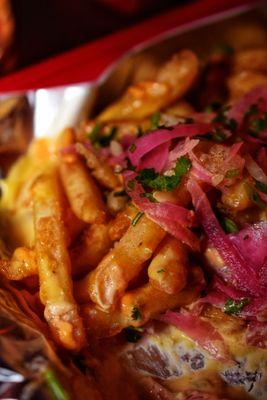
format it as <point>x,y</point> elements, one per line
<point>32,30</point>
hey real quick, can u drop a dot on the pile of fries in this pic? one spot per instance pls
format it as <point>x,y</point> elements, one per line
<point>93,262</point>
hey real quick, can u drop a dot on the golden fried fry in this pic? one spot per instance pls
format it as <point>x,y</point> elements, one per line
<point>119,225</point>
<point>240,83</point>
<point>250,60</point>
<point>173,80</point>
<point>138,306</point>
<point>109,280</point>
<point>61,311</point>
<point>90,249</point>
<point>21,265</point>
<point>82,192</point>
<point>168,269</point>
<point>100,170</point>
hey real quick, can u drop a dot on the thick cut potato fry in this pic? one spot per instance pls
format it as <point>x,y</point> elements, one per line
<point>61,311</point>
<point>173,80</point>
<point>90,249</point>
<point>100,170</point>
<point>242,82</point>
<point>168,269</point>
<point>109,280</point>
<point>138,306</point>
<point>250,60</point>
<point>119,225</point>
<point>21,265</point>
<point>82,192</point>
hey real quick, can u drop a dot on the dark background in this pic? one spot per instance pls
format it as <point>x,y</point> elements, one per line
<point>47,27</point>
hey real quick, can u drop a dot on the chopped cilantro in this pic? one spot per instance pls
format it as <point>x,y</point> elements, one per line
<point>160,270</point>
<point>136,314</point>
<point>101,140</point>
<point>234,307</point>
<point>132,148</point>
<point>254,196</point>
<point>229,226</point>
<point>94,134</point>
<point>54,385</point>
<point>218,135</point>
<point>149,196</point>
<point>133,334</point>
<point>227,123</point>
<point>131,184</point>
<point>232,173</point>
<point>137,217</point>
<point>154,120</point>
<point>257,125</point>
<point>262,187</point>
<point>148,177</point>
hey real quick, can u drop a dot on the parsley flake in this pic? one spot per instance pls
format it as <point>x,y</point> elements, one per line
<point>137,217</point>
<point>159,271</point>
<point>149,196</point>
<point>132,148</point>
<point>136,314</point>
<point>148,177</point>
<point>234,306</point>
<point>262,187</point>
<point>133,334</point>
<point>229,226</point>
<point>232,173</point>
<point>154,120</point>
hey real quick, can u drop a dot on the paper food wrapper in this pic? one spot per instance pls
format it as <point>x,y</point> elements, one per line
<point>26,352</point>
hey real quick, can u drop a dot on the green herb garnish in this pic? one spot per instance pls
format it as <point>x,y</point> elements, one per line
<point>229,226</point>
<point>149,196</point>
<point>254,196</point>
<point>132,148</point>
<point>148,177</point>
<point>235,306</point>
<point>55,387</point>
<point>136,314</point>
<point>94,134</point>
<point>131,184</point>
<point>262,187</point>
<point>97,139</point>
<point>133,334</point>
<point>159,271</point>
<point>154,120</point>
<point>137,217</point>
<point>232,173</point>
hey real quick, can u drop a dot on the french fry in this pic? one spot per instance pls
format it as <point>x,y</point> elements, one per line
<point>21,265</point>
<point>138,306</point>
<point>241,82</point>
<point>100,170</point>
<point>119,225</point>
<point>250,60</point>
<point>173,80</point>
<point>168,269</point>
<point>109,280</point>
<point>61,311</point>
<point>82,192</point>
<point>89,250</point>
